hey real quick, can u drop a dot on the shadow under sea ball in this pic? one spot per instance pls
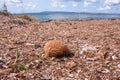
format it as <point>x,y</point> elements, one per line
<point>56,48</point>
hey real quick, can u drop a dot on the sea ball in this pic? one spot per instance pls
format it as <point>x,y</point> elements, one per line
<point>56,48</point>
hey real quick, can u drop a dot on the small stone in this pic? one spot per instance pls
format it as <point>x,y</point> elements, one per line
<point>105,71</point>
<point>36,61</point>
<point>71,64</point>
<point>1,63</point>
<point>29,44</point>
<point>119,65</point>
<point>114,57</point>
<point>85,79</point>
<point>12,75</point>
<point>100,55</point>
<point>98,78</point>
<point>62,79</point>
<point>70,75</point>
<point>37,45</point>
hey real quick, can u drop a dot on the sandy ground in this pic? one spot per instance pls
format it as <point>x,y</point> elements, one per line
<point>95,44</point>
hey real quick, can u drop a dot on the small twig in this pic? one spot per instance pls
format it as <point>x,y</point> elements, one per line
<point>115,37</point>
<point>3,71</point>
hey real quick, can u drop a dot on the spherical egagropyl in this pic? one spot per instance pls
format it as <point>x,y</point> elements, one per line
<point>56,48</point>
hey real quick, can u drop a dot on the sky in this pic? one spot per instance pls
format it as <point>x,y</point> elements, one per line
<point>93,6</point>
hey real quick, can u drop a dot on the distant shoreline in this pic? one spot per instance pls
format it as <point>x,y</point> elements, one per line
<point>43,12</point>
<point>67,20</point>
<point>68,16</point>
<point>73,16</point>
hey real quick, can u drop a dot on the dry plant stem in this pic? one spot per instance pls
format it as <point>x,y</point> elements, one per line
<point>3,71</point>
<point>16,57</point>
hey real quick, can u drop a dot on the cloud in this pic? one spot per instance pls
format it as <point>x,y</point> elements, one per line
<point>16,1</point>
<point>86,4</point>
<point>104,8</point>
<point>29,5</point>
<point>90,2</point>
<point>75,4</point>
<point>57,3</point>
<point>103,4</point>
<point>69,0</point>
<point>112,2</point>
<point>13,1</point>
<point>10,2</point>
<point>61,3</point>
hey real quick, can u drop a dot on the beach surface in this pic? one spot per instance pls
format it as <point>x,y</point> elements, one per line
<point>95,44</point>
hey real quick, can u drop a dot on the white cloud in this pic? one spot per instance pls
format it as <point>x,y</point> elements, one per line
<point>112,2</point>
<point>13,1</point>
<point>16,1</point>
<point>86,4</point>
<point>61,3</point>
<point>62,6</point>
<point>90,2</point>
<point>57,3</point>
<point>69,0</point>
<point>30,5</point>
<point>94,0</point>
<point>104,8</point>
<point>74,4</point>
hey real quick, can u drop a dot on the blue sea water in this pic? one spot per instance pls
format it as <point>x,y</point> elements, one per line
<point>46,16</point>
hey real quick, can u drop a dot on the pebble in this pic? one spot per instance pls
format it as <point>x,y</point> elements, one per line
<point>30,75</point>
<point>1,63</point>
<point>12,75</point>
<point>105,71</point>
<point>85,79</point>
<point>37,61</point>
<point>70,75</point>
<point>114,57</point>
<point>119,65</point>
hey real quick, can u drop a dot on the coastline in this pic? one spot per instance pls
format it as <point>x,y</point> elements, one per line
<point>72,16</point>
<point>95,43</point>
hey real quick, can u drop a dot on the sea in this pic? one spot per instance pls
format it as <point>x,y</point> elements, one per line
<point>73,16</point>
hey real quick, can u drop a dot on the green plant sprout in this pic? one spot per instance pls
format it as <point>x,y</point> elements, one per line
<point>19,65</point>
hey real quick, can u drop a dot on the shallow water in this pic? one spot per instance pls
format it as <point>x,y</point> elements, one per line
<point>45,16</point>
